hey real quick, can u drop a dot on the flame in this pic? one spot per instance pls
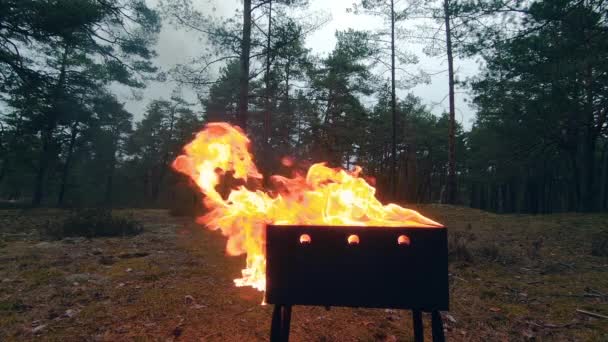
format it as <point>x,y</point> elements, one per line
<point>325,196</point>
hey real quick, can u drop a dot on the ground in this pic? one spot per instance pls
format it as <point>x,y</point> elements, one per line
<point>512,277</point>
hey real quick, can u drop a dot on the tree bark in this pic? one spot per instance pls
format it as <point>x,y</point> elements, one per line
<point>575,187</point>
<point>267,123</point>
<point>3,170</point>
<point>244,77</point>
<point>393,175</point>
<point>68,160</point>
<point>42,168</point>
<point>451,181</point>
<point>5,159</point>
<point>587,146</point>
<point>164,164</point>
<point>604,177</point>
<point>108,198</point>
<point>286,133</point>
<point>110,182</point>
<point>47,132</point>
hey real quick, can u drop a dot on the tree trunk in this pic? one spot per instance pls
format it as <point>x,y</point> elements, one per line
<point>286,134</point>
<point>574,184</point>
<point>244,77</point>
<point>267,124</point>
<point>66,167</point>
<point>393,175</point>
<point>604,179</point>
<point>588,173</point>
<point>42,168</point>
<point>5,159</point>
<point>587,146</point>
<point>47,132</point>
<point>3,170</point>
<point>164,163</point>
<point>110,183</point>
<point>474,202</point>
<point>451,181</point>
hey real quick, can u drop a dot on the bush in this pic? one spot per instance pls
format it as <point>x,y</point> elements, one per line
<point>489,252</point>
<point>94,223</point>
<point>599,244</point>
<point>186,209</point>
<point>458,246</point>
<point>186,201</point>
<point>535,249</point>
<point>4,204</point>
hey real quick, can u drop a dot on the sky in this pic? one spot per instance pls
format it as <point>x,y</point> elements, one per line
<point>177,46</point>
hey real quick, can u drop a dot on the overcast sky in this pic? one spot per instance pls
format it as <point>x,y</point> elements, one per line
<point>177,46</point>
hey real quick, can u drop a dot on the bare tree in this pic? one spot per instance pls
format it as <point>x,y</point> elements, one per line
<point>389,11</point>
<point>451,183</point>
<point>244,58</point>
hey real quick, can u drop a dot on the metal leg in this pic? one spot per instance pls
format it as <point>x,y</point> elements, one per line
<point>275,327</point>
<point>437,324</point>
<point>286,322</point>
<point>418,327</point>
<point>281,320</point>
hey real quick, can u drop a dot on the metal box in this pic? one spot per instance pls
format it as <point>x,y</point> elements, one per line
<point>378,272</point>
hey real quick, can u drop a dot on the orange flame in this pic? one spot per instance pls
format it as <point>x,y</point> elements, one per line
<point>326,196</point>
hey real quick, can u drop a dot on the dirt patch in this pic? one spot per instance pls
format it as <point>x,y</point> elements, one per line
<point>524,277</point>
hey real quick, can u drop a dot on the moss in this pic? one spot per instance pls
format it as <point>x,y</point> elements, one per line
<point>94,223</point>
<point>93,312</point>
<point>12,306</point>
<point>599,244</point>
<point>9,319</point>
<point>137,265</point>
<point>515,310</point>
<point>487,294</point>
<point>42,276</point>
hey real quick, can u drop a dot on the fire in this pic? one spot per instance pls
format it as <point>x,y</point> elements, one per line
<point>324,196</point>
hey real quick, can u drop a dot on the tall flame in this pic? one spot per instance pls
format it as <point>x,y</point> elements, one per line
<point>325,196</point>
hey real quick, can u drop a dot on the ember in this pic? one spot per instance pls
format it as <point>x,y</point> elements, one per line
<point>325,197</point>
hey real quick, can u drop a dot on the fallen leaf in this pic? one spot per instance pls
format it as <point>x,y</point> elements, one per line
<point>528,334</point>
<point>390,338</point>
<point>38,328</point>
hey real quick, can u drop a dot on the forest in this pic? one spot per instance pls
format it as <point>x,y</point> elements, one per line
<point>189,170</point>
<point>538,143</point>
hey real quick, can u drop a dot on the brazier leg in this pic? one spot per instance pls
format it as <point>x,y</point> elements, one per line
<point>286,322</point>
<point>276,325</point>
<point>437,324</point>
<point>418,327</point>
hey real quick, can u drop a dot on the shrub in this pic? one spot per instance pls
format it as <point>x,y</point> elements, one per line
<point>496,253</point>
<point>489,252</point>
<point>535,248</point>
<point>186,201</point>
<point>187,209</point>
<point>458,249</point>
<point>94,223</point>
<point>4,204</point>
<point>16,305</point>
<point>599,244</point>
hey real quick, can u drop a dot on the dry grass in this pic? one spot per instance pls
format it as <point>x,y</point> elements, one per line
<point>524,278</point>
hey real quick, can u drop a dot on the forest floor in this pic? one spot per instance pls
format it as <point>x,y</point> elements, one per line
<point>512,277</point>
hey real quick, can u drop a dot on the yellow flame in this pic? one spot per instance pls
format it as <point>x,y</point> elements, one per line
<point>326,196</point>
